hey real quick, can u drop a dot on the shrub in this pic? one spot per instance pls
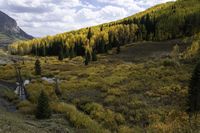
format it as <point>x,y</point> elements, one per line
<point>8,94</point>
<point>125,129</point>
<point>37,67</point>
<point>107,117</point>
<point>170,63</point>
<point>78,119</point>
<point>26,107</point>
<point>43,110</point>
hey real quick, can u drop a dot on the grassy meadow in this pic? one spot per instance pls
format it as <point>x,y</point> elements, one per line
<point>115,94</point>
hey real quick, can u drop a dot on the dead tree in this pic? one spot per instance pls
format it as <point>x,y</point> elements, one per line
<point>57,88</point>
<point>20,90</point>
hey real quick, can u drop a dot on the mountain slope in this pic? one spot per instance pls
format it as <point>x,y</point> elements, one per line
<point>9,31</point>
<point>163,22</point>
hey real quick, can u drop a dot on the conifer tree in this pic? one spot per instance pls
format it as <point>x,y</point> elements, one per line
<point>37,67</point>
<point>89,35</point>
<point>43,111</point>
<point>71,52</point>
<point>94,55</point>
<point>194,92</point>
<point>101,28</point>
<point>61,55</point>
<point>87,58</point>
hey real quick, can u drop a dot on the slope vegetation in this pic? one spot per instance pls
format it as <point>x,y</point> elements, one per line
<point>119,93</point>
<point>162,22</point>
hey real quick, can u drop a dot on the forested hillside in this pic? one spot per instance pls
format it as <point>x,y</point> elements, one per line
<point>162,22</point>
<point>150,86</point>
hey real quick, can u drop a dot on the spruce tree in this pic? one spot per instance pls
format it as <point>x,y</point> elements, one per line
<point>61,55</point>
<point>37,67</point>
<point>71,52</point>
<point>89,35</point>
<point>101,28</point>
<point>194,91</point>
<point>43,110</point>
<point>94,55</point>
<point>87,58</point>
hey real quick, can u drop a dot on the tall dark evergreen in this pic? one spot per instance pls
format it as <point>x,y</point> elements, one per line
<point>101,28</point>
<point>194,92</point>
<point>43,110</point>
<point>71,53</point>
<point>61,54</point>
<point>87,58</point>
<point>38,67</point>
<point>89,35</point>
<point>94,55</point>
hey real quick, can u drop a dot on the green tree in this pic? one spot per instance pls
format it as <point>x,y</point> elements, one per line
<point>37,67</point>
<point>61,54</point>
<point>71,53</point>
<point>94,55</point>
<point>43,110</point>
<point>87,58</point>
<point>194,92</point>
<point>89,35</point>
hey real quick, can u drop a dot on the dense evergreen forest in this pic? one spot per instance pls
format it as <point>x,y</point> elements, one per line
<point>162,22</point>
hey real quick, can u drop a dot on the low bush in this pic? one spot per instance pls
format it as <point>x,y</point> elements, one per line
<point>77,118</point>
<point>26,107</point>
<point>8,94</point>
<point>170,63</point>
<point>108,118</point>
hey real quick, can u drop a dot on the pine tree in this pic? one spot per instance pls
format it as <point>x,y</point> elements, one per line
<point>37,67</point>
<point>101,28</point>
<point>71,52</point>
<point>194,92</point>
<point>89,35</point>
<point>94,55</point>
<point>61,55</point>
<point>87,58</point>
<point>43,110</point>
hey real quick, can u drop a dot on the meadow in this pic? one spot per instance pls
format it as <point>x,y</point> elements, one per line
<point>117,93</point>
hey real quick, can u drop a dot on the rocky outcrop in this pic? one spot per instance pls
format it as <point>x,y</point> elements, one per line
<point>10,31</point>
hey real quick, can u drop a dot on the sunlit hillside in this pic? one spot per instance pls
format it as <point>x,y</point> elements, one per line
<point>136,75</point>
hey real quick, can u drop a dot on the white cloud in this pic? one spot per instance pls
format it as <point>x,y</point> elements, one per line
<point>48,17</point>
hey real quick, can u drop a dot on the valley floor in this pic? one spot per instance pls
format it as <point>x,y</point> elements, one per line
<point>142,89</point>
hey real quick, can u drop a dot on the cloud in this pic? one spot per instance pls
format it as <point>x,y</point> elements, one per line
<point>49,17</point>
<point>112,12</point>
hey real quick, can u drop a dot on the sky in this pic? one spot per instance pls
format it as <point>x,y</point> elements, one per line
<point>48,17</point>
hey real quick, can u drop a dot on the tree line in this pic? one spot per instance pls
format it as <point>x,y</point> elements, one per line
<point>162,22</point>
